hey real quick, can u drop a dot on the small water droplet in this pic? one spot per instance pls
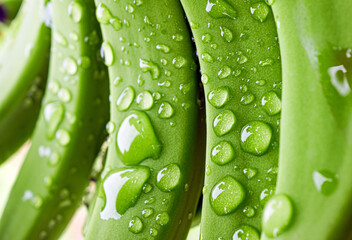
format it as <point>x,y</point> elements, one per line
<point>219,97</point>
<point>75,11</point>
<point>259,11</point>
<point>325,182</point>
<point>204,78</point>
<point>250,172</point>
<point>53,116</point>
<point>64,95</point>
<point>149,66</point>
<point>222,153</point>
<point>135,225</point>
<point>246,232</point>
<point>169,177</point>
<point>271,103</point>
<point>165,110</point>
<point>249,211</point>
<point>220,9</point>
<point>63,137</point>
<point>69,66</point>
<point>125,99</point>
<point>110,127</point>
<point>206,38</point>
<point>107,53</point>
<point>224,122</point>
<point>147,212</point>
<point>247,98</point>
<point>226,196</point>
<point>206,57</point>
<point>256,137</point>
<point>60,39</point>
<point>153,232</point>
<point>277,215</point>
<point>145,100</point>
<point>179,62</point>
<point>162,218</point>
<point>226,34</point>
<point>224,72</point>
<point>163,48</point>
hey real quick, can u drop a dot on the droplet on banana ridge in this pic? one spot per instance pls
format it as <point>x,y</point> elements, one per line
<point>226,196</point>
<point>277,215</point>
<point>220,9</point>
<point>169,177</point>
<point>256,137</point>
<point>137,139</point>
<point>122,188</point>
<point>53,116</point>
<point>246,232</point>
<point>224,122</point>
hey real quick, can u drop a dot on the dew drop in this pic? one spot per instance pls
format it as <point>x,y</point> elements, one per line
<point>226,34</point>
<point>69,66</point>
<point>165,110</point>
<point>226,196</point>
<point>260,11</point>
<point>145,100</point>
<point>75,11</point>
<point>137,140</point>
<point>222,153</point>
<point>168,178</point>
<point>162,218</point>
<point>125,99</point>
<point>179,62</point>
<point>256,137</point>
<point>224,122</point>
<point>135,225</point>
<point>107,53</point>
<point>271,103</point>
<point>224,72</point>
<point>219,97</point>
<point>206,57</point>
<point>147,212</point>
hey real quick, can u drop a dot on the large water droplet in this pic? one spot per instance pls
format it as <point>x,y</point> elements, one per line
<point>226,34</point>
<point>218,97</point>
<point>125,99</point>
<point>75,11</point>
<point>107,53</point>
<point>122,189</point>
<point>63,137</point>
<point>162,218</point>
<point>224,122</point>
<point>325,182</point>
<point>224,72</point>
<point>271,103</point>
<point>246,232</point>
<point>277,215</point>
<point>165,110</point>
<point>260,11</point>
<point>137,140</point>
<point>179,61</point>
<point>145,100</point>
<point>104,16</point>
<point>169,177</point>
<point>226,196</point>
<point>222,153</point>
<point>256,137</point>
<point>220,9</point>
<point>53,116</point>
<point>338,77</point>
<point>149,66</point>
<point>147,212</point>
<point>69,66</point>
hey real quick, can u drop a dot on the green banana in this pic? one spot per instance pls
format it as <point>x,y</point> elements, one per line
<point>69,132</point>
<point>314,192</point>
<point>152,177</point>
<point>241,72</point>
<point>23,72</point>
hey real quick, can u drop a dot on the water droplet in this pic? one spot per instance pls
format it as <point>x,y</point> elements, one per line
<point>135,225</point>
<point>145,100</point>
<point>242,59</point>
<point>147,212</point>
<point>84,62</point>
<point>246,232</point>
<point>54,86</point>
<point>34,200</point>
<point>247,98</point>
<point>206,57</point>
<point>206,38</point>
<point>69,66</point>
<point>104,16</point>
<point>165,110</point>
<point>149,66</point>
<point>270,2</point>
<point>153,232</point>
<point>226,196</point>
<point>149,201</point>
<point>177,37</point>
<point>219,97</point>
<point>250,172</point>
<point>63,137</point>
<point>129,8</point>
<point>277,215</point>
<point>107,53</point>
<point>266,62</point>
<point>60,39</point>
<point>162,218</point>
<point>204,78</point>
<point>226,34</point>
<point>224,122</point>
<point>147,188</point>
<point>163,48</point>
<point>325,182</point>
<point>75,11</point>
<point>125,99</point>
<point>122,189</point>
<point>338,77</point>
<point>222,153</point>
<point>271,103</point>
<point>256,137</point>
<point>179,62</point>
<point>220,9</point>
<point>137,140</point>
<point>169,177</point>
<point>249,211</point>
<point>260,11</point>
<point>224,72</point>
<point>266,194</point>
<point>64,95</point>
<point>53,116</point>
<point>54,159</point>
<point>110,127</point>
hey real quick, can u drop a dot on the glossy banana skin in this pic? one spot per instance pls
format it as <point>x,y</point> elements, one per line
<point>316,126</point>
<point>23,73</point>
<point>69,132</point>
<point>232,46</point>
<point>154,31</point>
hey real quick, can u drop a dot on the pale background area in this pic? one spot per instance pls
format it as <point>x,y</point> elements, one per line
<point>8,173</point>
